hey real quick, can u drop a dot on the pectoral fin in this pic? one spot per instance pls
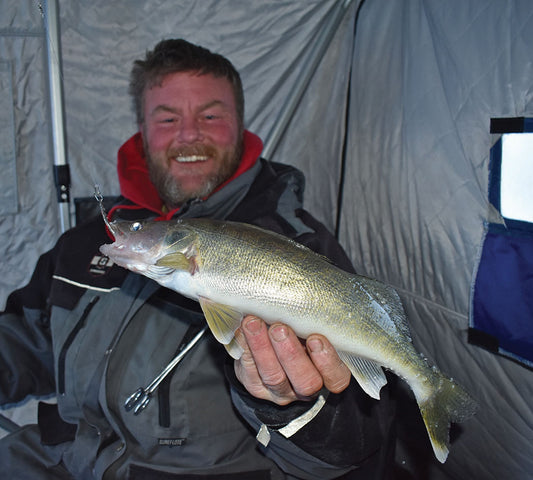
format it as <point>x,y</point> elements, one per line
<point>176,260</point>
<point>223,320</point>
<point>368,374</point>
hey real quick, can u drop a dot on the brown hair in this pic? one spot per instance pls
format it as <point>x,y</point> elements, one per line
<point>178,55</point>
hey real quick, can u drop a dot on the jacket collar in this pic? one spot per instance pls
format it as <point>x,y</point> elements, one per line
<point>135,184</point>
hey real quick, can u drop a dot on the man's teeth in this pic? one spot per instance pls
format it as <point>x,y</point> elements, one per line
<point>192,158</point>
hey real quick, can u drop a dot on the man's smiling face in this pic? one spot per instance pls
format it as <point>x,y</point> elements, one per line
<point>192,136</point>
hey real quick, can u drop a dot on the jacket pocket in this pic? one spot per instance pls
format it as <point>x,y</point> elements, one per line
<point>68,342</point>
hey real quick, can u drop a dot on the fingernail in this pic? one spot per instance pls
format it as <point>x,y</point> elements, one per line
<point>278,333</point>
<point>253,325</point>
<point>315,345</point>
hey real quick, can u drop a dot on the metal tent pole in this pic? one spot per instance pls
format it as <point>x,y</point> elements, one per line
<point>61,168</point>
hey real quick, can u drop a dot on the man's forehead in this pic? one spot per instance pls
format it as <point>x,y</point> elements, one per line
<point>187,76</point>
<point>187,84</point>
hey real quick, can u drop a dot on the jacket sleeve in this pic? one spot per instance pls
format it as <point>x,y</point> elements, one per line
<point>350,433</point>
<point>346,432</point>
<point>26,359</point>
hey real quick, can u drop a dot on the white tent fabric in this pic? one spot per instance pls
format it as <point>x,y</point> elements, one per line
<point>402,108</point>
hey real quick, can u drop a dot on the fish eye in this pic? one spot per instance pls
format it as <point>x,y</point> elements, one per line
<point>136,226</point>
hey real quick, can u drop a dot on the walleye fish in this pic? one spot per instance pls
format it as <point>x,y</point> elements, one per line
<point>234,269</point>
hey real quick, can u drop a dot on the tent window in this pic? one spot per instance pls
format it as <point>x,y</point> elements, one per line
<point>517,176</point>
<point>501,313</point>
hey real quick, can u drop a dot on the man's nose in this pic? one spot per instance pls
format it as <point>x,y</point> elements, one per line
<point>189,130</point>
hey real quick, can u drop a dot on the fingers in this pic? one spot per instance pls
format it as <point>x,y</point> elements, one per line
<point>294,361</point>
<point>245,368</point>
<point>258,369</point>
<point>276,366</point>
<point>335,373</point>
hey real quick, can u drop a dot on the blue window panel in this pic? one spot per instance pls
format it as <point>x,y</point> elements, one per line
<point>503,295</point>
<point>501,314</point>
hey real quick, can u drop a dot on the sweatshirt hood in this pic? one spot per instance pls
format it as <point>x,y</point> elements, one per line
<point>134,179</point>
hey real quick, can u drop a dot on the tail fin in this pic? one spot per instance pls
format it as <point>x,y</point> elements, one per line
<point>448,403</point>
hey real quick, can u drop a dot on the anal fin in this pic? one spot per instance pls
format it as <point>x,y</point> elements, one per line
<point>368,374</point>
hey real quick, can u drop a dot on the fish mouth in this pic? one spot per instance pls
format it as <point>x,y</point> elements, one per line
<point>124,257</point>
<point>115,251</point>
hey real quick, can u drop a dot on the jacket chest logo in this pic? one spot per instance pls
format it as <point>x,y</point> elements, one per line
<point>100,265</point>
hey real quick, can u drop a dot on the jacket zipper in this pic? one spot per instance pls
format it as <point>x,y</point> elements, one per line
<point>68,342</point>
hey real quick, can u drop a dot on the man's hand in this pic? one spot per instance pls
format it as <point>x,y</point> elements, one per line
<point>276,366</point>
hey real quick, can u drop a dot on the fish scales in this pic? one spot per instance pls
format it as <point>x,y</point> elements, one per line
<point>268,272</point>
<point>295,279</point>
<point>236,269</point>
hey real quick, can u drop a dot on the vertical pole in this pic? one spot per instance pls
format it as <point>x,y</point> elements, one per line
<point>61,168</point>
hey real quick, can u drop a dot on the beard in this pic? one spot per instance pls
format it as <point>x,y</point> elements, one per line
<point>170,189</point>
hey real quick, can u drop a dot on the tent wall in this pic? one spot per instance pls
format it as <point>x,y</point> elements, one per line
<point>29,222</point>
<point>404,105</point>
<point>427,77</point>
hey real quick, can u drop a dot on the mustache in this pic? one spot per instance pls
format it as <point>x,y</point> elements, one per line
<point>196,149</point>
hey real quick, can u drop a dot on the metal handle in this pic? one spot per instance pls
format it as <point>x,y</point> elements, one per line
<point>139,399</point>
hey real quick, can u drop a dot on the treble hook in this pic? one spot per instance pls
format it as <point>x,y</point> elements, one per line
<point>100,199</point>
